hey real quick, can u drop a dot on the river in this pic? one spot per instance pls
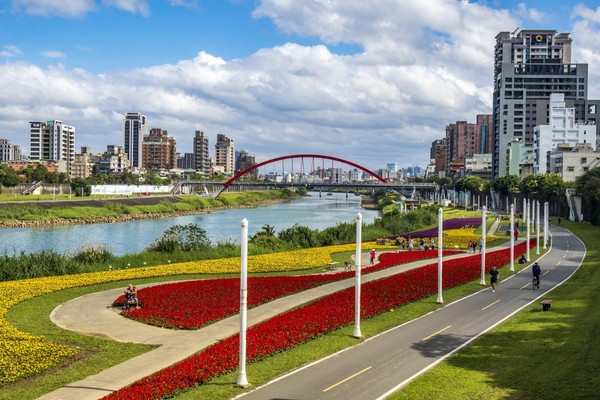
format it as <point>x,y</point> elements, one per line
<point>314,211</point>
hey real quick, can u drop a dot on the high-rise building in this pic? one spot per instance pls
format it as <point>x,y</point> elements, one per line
<point>461,140</point>
<point>52,141</point>
<point>528,67</point>
<point>437,155</point>
<point>244,161</point>
<point>561,129</point>
<point>484,135</point>
<point>113,161</point>
<point>201,155</point>
<point>9,151</point>
<point>159,151</point>
<point>134,132</point>
<point>187,161</point>
<point>83,164</point>
<point>224,154</point>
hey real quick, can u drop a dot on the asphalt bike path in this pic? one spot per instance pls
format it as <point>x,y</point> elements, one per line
<point>381,365</point>
<point>93,315</point>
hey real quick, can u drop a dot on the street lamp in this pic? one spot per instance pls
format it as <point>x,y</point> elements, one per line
<point>357,333</point>
<point>242,381</point>
<point>440,299</point>
<point>483,233</point>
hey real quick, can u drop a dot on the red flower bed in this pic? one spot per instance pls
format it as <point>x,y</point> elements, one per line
<point>308,322</point>
<point>193,304</point>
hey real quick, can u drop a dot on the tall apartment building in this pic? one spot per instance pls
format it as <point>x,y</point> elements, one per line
<point>484,126</point>
<point>461,140</point>
<point>561,129</point>
<point>9,151</point>
<point>83,164</point>
<point>244,161</point>
<point>113,161</point>
<point>528,67</point>
<point>134,132</point>
<point>201,156</point>
<point>159,151</point>
<point>187,161</point>
<point>437,155</point>
<point>225,154</point>
<point>52,141</point>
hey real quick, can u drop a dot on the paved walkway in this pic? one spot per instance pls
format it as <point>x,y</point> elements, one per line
<point>93,315</point>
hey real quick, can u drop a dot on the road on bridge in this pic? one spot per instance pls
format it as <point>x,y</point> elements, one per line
<point>383,364</point>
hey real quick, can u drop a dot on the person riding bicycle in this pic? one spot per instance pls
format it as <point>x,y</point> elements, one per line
<point>536,270</point>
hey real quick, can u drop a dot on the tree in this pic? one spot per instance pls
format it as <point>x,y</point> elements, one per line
<point>8,176</point>
<point>508,185</point>
<point>473,183</point>
<point>81,188</point>
<point>588,186</point>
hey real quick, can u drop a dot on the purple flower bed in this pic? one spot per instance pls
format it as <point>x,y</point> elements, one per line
<point>454,223</point>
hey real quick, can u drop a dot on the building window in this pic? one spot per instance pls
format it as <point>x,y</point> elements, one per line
<point>570,169</point>
<point>583,160</point>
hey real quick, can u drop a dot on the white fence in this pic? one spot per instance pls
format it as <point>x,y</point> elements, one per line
<point>126,190</point>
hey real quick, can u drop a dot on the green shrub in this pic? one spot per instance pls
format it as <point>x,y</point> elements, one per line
<point>118,208</point>
<point>188,237</point>
<point>92,254</point>
<point>36,265</point>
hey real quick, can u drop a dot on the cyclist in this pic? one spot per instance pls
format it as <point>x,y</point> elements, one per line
<point>536,270</point>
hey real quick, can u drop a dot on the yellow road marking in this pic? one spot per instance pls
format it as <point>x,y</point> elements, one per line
<point>486,307</point>
<point>440,331</point>
<point>348,378</point>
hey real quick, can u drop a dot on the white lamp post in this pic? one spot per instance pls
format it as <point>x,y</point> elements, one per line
<point>483,233</point>
<point>357,333</point>
<point>440,299</point>
<point>512,237</point>
<point>546,224</point>
<point>242,381</point>
<point>537,231</point>
<point>528,207</point>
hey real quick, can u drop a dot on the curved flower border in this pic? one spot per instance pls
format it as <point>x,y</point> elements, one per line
<point>309,322</point>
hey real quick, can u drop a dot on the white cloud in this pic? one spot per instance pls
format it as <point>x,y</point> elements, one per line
<point>423,64</point>
<point>132,6</point>
<point>47,8</point>
<point>53,54</point>
<point>10,51</point>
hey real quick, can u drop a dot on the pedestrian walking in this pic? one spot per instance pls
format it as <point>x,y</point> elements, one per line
<point>494,273</point>
<point>372,254</point>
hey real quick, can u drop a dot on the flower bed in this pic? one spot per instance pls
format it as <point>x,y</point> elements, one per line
<point>309,322</point>
<point>23,354</point>
<point>447,225</point>
<point>193,304</point>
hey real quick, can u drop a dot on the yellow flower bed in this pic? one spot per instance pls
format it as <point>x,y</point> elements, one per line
<point>22,354</point>
<point>460,238</point>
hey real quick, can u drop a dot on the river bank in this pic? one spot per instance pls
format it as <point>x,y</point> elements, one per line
<point>147,201</point>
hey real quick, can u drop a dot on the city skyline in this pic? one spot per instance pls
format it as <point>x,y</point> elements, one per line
<point>370,82</point>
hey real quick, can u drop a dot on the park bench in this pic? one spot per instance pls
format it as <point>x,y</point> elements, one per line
<point>331,266</point>
<point>546,303</point>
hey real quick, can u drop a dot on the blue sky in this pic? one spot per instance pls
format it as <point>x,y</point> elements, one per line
<point>373,81</point>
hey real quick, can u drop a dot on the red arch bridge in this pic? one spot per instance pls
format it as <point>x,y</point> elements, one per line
<point>313,171</point>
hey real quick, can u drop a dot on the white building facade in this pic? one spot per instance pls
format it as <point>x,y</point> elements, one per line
<point>562,128</point>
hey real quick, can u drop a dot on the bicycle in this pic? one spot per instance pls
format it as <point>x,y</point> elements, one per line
<point>535,283</point>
